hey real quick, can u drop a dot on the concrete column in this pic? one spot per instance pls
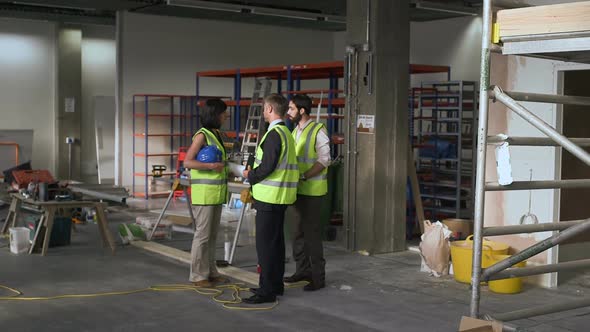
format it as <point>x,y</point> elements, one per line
<point>376,162</point>
<point>69,99</point>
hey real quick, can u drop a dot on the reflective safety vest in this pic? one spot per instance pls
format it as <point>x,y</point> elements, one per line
<point>209,187</point>
<point>306,157</point>
<point>280,187</point>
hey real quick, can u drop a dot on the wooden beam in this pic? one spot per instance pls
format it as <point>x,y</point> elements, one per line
<point>558,18</point>
<point>415,190</point>
<point>179,219</point>
<point>233,272</point>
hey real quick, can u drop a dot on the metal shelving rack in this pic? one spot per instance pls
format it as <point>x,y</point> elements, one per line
<point>181,112</point>
<point>292,76</point>
<point>330,98</point>
<point>445,119</point>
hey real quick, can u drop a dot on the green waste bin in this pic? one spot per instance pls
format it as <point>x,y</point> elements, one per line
<point>333,202</point>
<point>60,232</point>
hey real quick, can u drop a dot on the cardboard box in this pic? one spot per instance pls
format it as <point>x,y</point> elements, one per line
<point>461,228</point>
<point>469,324</point>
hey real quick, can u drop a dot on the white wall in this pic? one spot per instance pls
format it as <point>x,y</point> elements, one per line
<point>452,42</point>
<point>338,45</point>
<point>162,54</point>
<point>98,79</point>
<point>27,84</point>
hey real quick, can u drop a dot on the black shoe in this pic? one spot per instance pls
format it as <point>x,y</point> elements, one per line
<point>296,278</point>
<point>255,291</point>
<point>257,299</point>
<point>314,286</point>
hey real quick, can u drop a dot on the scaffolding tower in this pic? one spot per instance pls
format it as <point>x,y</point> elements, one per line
<point>566,46</point>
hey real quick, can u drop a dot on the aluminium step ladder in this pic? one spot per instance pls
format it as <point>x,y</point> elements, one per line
<point>255,127</point>
<point>253,132</point>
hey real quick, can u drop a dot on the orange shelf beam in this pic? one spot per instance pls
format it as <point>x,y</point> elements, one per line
<point>312,91</point>
<point>155,154</point>
<point>242,102</point>
<point>303,71</point>
<point>338,102</point>
<point>151,194</point>
<point>160,95</point>
<point>428,69</point>
<point>161,135</point>
<point>142,115</point>
<point>308,71</point>
<point>149,174</point>
<point>232,134</point>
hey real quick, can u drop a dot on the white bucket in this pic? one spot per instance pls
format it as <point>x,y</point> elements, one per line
<point>19,240</point>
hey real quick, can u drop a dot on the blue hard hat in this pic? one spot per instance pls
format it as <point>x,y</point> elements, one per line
<point>209,154</point>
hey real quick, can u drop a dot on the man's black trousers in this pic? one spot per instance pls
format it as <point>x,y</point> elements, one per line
<point>270,247</point>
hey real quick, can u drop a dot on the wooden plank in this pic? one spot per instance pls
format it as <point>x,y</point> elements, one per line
<point>107,237</point>
<point>185,257</point>
<point>37,231</point>
<point>416,190</point>
<point>11,216</point>
<point>558,18</point>
<point>50,215</point>
<point>179,220</point>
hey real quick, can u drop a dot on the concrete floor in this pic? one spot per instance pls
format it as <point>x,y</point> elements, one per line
<point>377,293</point>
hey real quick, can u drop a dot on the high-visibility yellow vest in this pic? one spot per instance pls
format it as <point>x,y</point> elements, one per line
<point>209,187</point>
<point>280,187</point>
<point>306,157</point>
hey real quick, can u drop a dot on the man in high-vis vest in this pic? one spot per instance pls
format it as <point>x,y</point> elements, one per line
<point>208,193</point>
<point>274,182</point>
<point>313,158</point>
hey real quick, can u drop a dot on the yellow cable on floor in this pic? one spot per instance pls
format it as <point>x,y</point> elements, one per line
<point>215,294</point>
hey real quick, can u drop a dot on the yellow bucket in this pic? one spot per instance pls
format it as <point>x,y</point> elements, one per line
<point>506,286</point>
<point>462,253</point>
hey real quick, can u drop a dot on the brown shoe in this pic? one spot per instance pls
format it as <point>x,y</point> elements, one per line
<point>203,283</point>
<point>219,280</point>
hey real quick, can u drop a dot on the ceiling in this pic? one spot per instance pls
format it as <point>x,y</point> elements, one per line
<point>323,15</point>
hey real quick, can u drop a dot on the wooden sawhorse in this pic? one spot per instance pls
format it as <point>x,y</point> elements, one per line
<point>49,211</point>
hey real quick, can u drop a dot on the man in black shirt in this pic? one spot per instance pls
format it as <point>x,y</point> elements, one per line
<point>274,182</point>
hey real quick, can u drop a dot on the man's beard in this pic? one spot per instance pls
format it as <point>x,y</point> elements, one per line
<point>296,119</point>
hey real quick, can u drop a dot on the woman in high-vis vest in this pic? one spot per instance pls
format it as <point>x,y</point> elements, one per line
<point>208,193</point>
